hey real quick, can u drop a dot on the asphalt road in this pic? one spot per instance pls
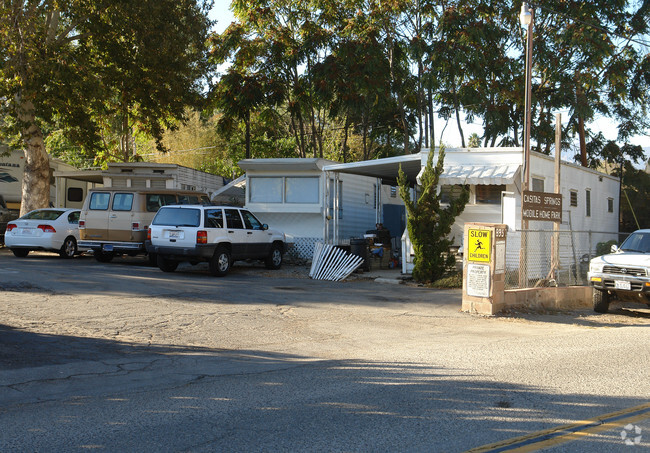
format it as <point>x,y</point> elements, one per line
<point>122,357</point>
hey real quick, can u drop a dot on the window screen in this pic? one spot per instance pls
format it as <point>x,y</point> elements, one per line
<point>574,198</point>
<point>538,185</point>
<point>449,192</point>
<point>588,203</point>
<point>610,205</point>
<point>265,190</point>
<point>489,194</point>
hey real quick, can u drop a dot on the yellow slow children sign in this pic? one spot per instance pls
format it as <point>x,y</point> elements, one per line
<point>479,245</point>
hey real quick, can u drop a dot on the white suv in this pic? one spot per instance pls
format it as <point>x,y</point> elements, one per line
<point>219,235</point>
<point>623,274</point>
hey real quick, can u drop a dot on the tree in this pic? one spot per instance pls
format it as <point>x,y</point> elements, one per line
<point>429,224</point>
<point>635,194</point>
<point>80,66</point>
<point>589,62</point>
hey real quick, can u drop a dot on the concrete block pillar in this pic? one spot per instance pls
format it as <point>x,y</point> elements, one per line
<point>484,267</point>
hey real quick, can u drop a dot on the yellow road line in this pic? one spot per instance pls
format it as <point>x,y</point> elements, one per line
<point>567,433</point>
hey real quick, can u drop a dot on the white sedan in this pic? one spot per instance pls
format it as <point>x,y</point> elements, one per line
<point>53,230</point>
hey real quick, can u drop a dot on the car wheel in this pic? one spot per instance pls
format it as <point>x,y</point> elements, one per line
<point>69,248</point>
<point>166,265</point>
<point>103,257</point>
<point>274,260</point>
<point>20,253</point>
<point>601,301</point>
<point>220,262</point>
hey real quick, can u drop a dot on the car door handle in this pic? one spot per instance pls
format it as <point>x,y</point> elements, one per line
<point>230,231</point>
<point>249,232</point>
<point>113,216</point>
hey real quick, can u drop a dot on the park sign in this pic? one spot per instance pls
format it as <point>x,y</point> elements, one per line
<point>541,206</point>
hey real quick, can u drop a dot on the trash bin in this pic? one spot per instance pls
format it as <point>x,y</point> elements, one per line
<point>359,247</point>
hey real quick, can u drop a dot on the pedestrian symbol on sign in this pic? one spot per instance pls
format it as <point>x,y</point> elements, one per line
<point>480,245</point>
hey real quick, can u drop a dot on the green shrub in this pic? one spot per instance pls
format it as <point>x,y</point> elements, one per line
<point>603,248</point>
<point>429,224</point>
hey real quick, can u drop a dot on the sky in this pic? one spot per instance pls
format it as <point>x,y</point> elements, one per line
<point>447,131</point>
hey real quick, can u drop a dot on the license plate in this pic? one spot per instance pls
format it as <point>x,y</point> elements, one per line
<point>174,234</point>
<point>622,284</point>
<point>27,231</point>
<point>108,247</point>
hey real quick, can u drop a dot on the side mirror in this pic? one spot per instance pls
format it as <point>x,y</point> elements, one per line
<point>614,248</point>
<point>265,226</point>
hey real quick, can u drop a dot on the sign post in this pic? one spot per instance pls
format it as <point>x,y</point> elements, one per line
<point>484,267</point>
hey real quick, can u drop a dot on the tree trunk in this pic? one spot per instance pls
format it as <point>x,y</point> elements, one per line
<point>345,139</point>
<point>457,108</point>
<point>400,100</point>
<point>431,124</point>
<point>36,177</point>
<point>248,134</point>
<point>583,142</point>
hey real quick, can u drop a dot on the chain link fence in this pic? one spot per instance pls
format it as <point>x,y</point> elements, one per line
<point>537,258</point>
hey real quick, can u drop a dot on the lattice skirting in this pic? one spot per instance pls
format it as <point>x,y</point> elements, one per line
<point>303,248</point>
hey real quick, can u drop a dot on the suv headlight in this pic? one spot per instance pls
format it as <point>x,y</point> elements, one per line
<point>596,267</point>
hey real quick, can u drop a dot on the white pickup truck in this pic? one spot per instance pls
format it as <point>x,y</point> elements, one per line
<point>623,274</point>
<point>219,235</point>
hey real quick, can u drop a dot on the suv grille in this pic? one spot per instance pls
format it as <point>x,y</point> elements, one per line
<point>631,271</point>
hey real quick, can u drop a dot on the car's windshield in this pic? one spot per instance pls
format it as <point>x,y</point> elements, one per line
<point>42,215</point>
<point>177,217</point>
<point>637,242</point>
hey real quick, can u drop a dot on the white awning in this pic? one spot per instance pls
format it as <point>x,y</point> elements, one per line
<point>478,174</point>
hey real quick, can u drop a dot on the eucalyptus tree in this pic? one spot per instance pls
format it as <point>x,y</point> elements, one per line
<point>280,41</point>
<point>589,60</point>
<point>80,64</point>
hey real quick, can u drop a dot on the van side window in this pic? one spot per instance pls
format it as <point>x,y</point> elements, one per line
<point>99,201</point>
<point>122,201</point>
<point>154,202</point>
<point>213,218</point>
<point>233,219</point>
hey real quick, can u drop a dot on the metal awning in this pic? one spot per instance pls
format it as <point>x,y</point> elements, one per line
<point>386,168</point>
<point>234,189</point>
<point>478,174</point>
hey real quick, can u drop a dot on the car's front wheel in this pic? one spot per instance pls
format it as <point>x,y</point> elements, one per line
<point>167,265</point>
<point>20,253</point>
<point>274,259</point>
<point>601,301</point>
<point>69,248</point>
<point>220,262</point>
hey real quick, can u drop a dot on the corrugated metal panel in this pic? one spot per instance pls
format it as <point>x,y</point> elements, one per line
<point>359,210</point>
